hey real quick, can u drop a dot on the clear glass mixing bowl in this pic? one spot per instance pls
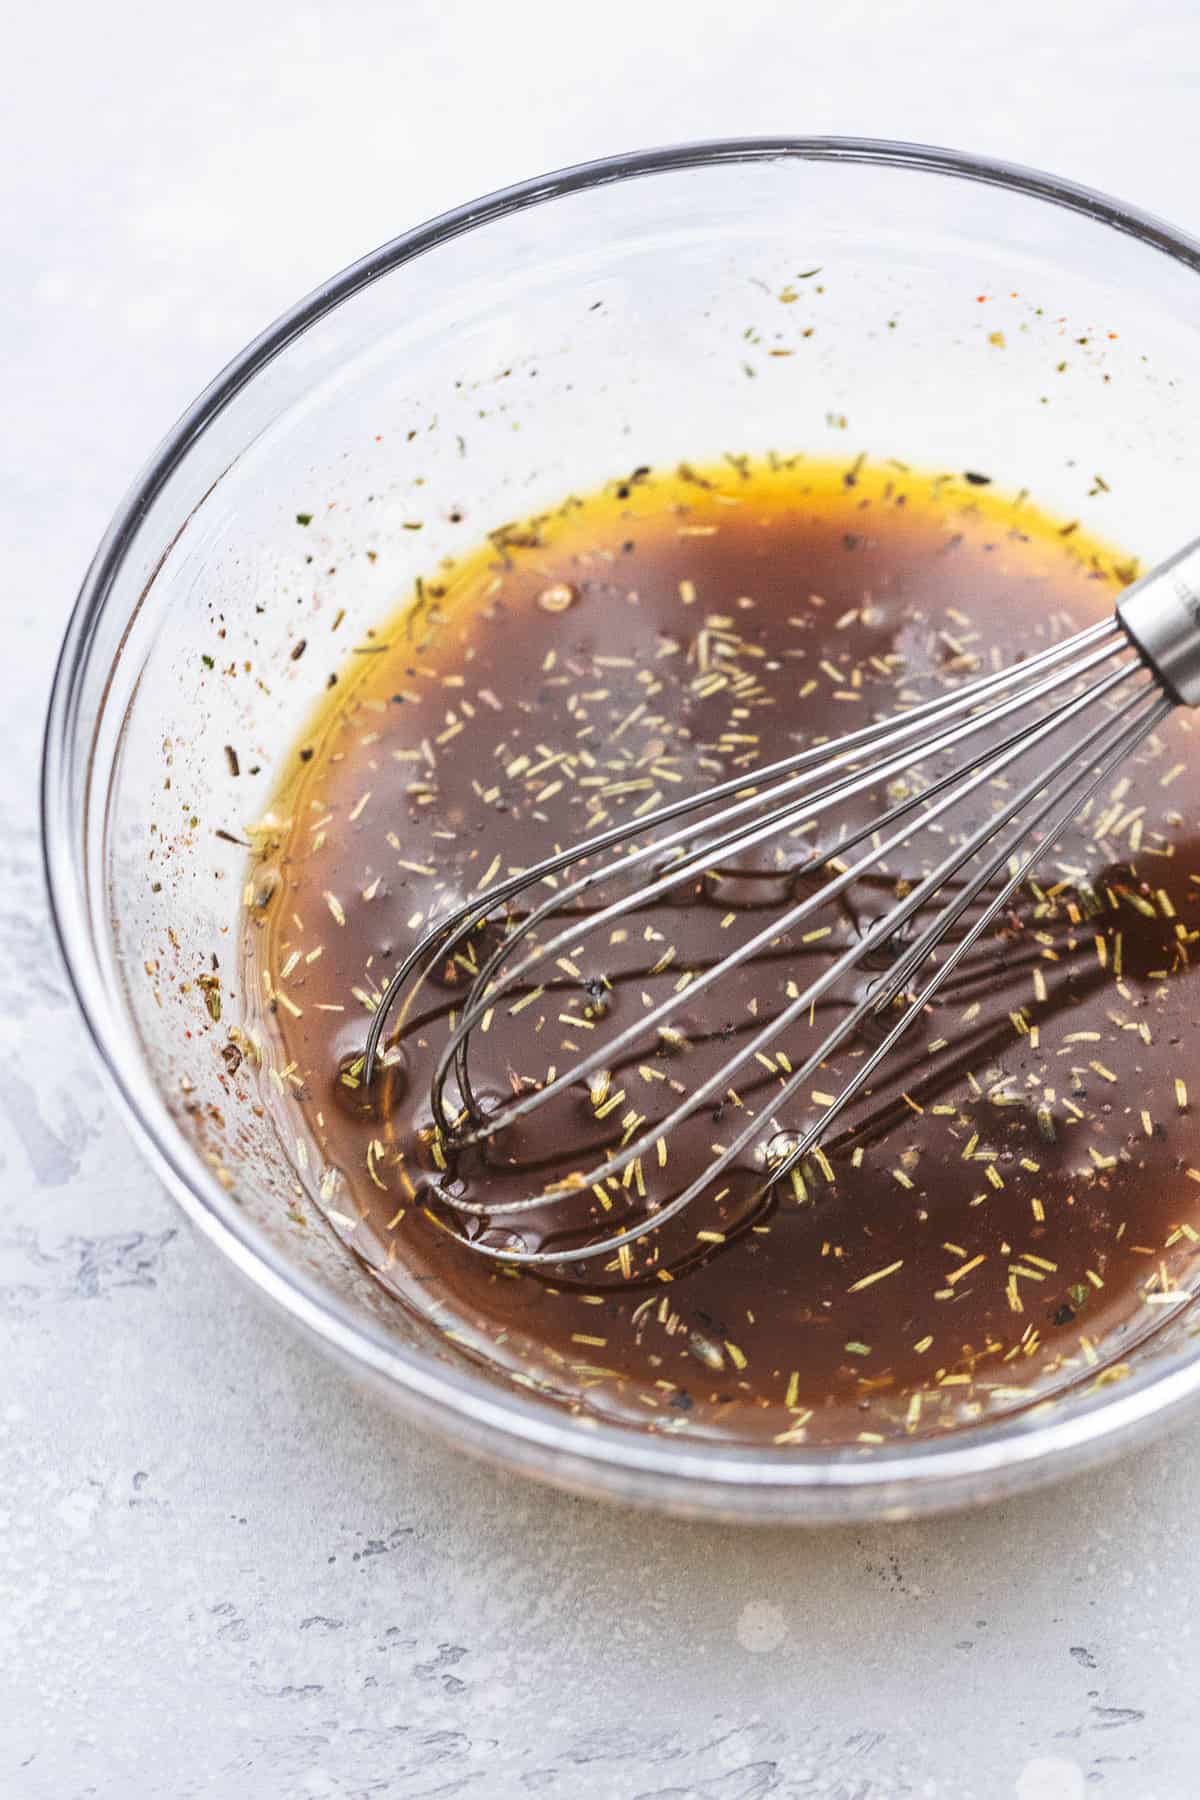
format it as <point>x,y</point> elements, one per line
<point>966,315</point>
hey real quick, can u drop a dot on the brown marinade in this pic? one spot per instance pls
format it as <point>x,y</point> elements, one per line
<point>1014,1202</point>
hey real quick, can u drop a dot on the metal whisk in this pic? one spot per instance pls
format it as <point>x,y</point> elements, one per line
<point>1077,708</point>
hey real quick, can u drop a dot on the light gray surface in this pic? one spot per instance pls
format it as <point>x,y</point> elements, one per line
<point>224,1573</point>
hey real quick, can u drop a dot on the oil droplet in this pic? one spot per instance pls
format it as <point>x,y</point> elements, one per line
<point>558,597</point>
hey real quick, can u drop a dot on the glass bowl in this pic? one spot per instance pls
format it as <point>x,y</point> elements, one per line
<point>955,313</point>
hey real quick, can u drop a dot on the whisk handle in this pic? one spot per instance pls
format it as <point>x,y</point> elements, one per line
<point>1161,616</point>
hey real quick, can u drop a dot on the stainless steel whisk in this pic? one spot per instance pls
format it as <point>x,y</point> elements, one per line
<point>1103,690</point>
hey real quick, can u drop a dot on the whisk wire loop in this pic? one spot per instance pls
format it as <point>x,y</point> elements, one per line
<point>1142,712</point>
<point>985,726</point>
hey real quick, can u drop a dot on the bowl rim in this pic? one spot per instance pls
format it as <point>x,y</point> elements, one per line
<point>808,1484</point>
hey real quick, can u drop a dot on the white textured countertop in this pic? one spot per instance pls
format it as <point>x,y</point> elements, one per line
<point>223,1573</point>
